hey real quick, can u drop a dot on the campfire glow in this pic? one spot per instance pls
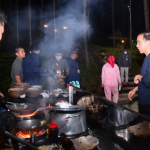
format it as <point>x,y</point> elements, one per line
<point>29,115</point>
<point>28,135</point>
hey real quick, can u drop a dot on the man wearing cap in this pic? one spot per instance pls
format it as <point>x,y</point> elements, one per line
<point>59,66</point>
<point>31,66</point>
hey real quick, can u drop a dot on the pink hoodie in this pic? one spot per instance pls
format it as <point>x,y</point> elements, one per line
<point>110,76</point>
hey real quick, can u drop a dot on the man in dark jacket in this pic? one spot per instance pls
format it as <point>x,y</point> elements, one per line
<point>124,63</point>
<point>143,79</point>
<point>102,61</point>
<point>31,66</point>
<point>74,71</point>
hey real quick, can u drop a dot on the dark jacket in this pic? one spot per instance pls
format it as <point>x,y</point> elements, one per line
<point>73,73</point>
<point>31,69</point>
<point>101,64</point>
<point>144,85</point>
<point>124,60</point>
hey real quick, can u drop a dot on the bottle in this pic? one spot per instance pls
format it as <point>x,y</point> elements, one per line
<point>78,84</point>
<point>53,132</point>
<point>119,87</point>
<point>73,83</point>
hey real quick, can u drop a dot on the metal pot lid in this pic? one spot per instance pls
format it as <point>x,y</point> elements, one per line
<point>73,108</point>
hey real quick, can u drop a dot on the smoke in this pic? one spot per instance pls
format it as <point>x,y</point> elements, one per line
<point>69,26</point>
<point>69,14</point>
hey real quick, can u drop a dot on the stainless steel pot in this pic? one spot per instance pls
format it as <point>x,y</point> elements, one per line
<point>71,121</point>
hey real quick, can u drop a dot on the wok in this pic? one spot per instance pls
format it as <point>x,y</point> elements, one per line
<point>30,109</point>
<point>32,125</point>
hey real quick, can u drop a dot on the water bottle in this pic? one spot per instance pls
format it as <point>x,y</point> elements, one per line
<point>77,84</point>
<point>119,87</point>
<point>73,83</point>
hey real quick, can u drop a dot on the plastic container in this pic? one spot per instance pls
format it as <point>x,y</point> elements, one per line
<point>53,132</point>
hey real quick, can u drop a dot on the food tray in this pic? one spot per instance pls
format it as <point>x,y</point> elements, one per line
<point>85,143</point>
<point>33,92</point>
<point>86,100</point>
<point>25,86</point>
<point>15,92</point>
<point>140,130</point>
<point>95,108</point>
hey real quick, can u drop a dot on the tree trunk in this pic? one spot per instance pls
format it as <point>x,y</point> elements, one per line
<point>146,13</point>
<point>85,34</point>
<point>130,27</point>
<point>17,27</point>
<point>30,34</point>
<point>54,22</point>
<point>88,12</point>
<point>41,19</point>
<point>113,23</point>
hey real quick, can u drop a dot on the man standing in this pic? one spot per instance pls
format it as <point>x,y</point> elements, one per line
<point>143,79</point>
<point>74,71</point>
<point>102,61</point>
<point>7,120</point>
<point>16,70</point>
<point>124,63</point>
<point>31,66</point>
<point>59,66</point>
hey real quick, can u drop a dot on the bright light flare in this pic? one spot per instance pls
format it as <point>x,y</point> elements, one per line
<point>55,30</point>
<point>65,28</point>
<point>122,41</point>
<point>45,25</point>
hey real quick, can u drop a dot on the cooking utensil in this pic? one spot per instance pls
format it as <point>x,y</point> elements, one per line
<point>33,92</point>
<point>71,121</point>
<point>19,140</point>
<point>37,86</point>
<point>30,109</point>
<point>15,92</point>
<point>18,104</point>
<point>31,126</point>
<point>25,86</point>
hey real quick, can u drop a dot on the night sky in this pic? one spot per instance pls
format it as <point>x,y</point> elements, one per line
<point>100,18</point>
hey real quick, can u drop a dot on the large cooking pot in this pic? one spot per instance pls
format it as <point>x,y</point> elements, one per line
<point>71,121</point>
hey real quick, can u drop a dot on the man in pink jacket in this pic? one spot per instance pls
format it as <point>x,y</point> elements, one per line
<point>110,79</point>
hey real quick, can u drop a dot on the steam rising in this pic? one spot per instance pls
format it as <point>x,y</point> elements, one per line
<point>70,16</point>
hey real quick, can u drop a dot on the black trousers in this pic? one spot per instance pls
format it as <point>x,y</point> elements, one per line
<point>144,109</point>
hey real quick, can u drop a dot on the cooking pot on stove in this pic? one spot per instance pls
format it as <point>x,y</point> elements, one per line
<point>71,121</point>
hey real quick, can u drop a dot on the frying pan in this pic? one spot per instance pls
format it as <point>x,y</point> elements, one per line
<point>32,125</point>
<point>30,109</point>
